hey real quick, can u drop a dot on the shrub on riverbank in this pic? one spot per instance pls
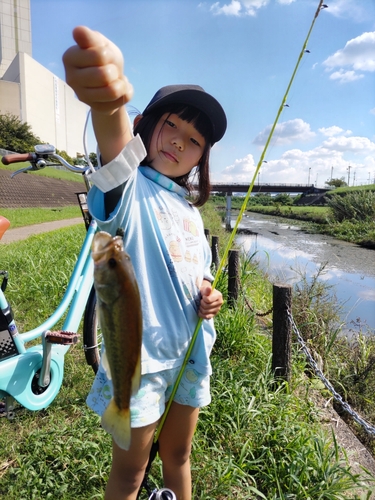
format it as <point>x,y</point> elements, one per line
<point>355,206</point>
<point>346,358</point>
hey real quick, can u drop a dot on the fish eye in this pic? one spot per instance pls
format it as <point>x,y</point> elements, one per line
<point>112,262</point>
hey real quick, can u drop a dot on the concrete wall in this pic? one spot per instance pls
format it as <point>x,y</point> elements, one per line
<point>15,31</point>
<point>10,98</point>
<point>46,103</point>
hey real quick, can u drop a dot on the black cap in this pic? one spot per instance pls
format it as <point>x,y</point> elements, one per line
<point>192,95</point>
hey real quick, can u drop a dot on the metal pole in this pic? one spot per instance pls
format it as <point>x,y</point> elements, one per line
<point>228,222</point>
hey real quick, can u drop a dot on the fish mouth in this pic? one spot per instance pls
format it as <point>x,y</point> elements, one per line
<point>103,243</point>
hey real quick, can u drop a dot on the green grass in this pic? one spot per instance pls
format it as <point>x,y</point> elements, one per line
<point>352,189</point>
<point>19,217</point>
<point>314,214</point>
<point>254,441</point>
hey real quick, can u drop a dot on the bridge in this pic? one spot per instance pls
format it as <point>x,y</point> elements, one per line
<point>230,188</point>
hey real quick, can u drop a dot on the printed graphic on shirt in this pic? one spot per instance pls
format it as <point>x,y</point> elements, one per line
<point>183,241</point>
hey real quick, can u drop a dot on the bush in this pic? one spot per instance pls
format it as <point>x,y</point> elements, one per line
<point>358,206</point>
<point>15,135</point>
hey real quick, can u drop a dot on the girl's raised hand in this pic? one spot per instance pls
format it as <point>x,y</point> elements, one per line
<point>211,301</point>
<point>94,70</point>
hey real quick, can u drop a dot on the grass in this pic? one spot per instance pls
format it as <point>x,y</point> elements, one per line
<point>20,217</point>
<point>254,441</point>
<point>314,214</point>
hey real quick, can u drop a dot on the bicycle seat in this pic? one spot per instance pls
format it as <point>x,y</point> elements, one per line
<point>4,224</point>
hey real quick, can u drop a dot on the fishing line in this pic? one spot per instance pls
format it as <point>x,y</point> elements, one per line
<point>238,220</point>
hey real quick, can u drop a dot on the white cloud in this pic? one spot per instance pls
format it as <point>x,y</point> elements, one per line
<point>345,76</point>
<point>334,130</point>
<point>361,145</point>
<point>351,9</point>
<point>242,7</point>
<point>317,165</point>
<point>286,132</point>
<point>358,54</point>
<point>372,111</point>
<point>233,9</point>
<point>241,170</point>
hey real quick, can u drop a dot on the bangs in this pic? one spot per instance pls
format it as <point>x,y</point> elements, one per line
<point>194,116</point>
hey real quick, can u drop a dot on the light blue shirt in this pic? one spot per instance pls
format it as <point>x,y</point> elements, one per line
<point>164,236</point>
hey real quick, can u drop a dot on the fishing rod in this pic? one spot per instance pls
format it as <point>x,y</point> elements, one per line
<point>220,268</point>
<point>155,445</point>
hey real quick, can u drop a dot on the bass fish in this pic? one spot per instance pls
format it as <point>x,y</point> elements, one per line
<point>120,319</point>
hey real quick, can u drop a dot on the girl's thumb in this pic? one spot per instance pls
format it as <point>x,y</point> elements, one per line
<point>85,37</point>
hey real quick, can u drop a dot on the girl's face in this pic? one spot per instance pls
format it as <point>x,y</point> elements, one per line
<point>176,146</point>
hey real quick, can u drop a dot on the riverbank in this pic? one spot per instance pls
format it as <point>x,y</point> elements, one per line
<point>264,440</point>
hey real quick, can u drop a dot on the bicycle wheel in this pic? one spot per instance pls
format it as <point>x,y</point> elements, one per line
<point>92,336</point>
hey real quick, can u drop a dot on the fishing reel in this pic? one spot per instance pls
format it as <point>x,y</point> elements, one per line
<point>163,494</point>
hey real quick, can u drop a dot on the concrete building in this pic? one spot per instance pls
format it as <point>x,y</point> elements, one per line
<point>30,91</point>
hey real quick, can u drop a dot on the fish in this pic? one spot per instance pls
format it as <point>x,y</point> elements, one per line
<point>120,319</point>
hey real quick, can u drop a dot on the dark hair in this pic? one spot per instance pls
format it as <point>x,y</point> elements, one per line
<point>145,128</point>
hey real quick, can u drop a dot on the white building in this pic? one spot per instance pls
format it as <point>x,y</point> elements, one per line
<point>30,91</point>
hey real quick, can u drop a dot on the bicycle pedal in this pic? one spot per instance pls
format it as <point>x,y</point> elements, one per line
<point>62,337</point>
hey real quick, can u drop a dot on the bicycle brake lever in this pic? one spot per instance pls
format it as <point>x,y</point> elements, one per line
<point>21,170</point>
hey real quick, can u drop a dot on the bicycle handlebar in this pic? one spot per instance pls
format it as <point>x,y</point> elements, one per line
<point>17,158</point>
<point>40,159</point>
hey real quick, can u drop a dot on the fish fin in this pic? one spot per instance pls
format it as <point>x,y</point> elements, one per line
<point>136,379</point>
<point>105,365</point>
<point>116,421</point>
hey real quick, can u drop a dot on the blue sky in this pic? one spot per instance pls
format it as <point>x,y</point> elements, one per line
<point>243,52</point>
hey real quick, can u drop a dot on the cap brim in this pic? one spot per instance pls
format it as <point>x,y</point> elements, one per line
<point>200,100</point>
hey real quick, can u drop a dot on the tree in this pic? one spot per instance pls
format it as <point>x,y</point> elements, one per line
<point>15,135</point>
<point>283,199</point>
<point>336,182</point>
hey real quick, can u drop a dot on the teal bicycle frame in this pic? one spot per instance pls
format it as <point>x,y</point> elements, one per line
<point>18,372</point>
<point>32,376</point>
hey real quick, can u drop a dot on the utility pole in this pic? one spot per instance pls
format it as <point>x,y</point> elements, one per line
<point>349,167</point>
<point>331,172</point>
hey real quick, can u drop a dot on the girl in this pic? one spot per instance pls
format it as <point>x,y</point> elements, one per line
<point>164,236</point>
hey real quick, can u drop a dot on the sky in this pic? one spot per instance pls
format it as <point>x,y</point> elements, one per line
<point>243,52</point>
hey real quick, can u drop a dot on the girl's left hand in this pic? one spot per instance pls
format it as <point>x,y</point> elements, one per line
<point>211,301</point>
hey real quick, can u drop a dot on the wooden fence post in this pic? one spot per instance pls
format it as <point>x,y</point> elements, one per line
<point>282,331</point>
<point>215,251</point>
<point>233,276</point>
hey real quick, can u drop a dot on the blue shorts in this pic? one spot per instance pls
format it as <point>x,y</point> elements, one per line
<point>148,405</point>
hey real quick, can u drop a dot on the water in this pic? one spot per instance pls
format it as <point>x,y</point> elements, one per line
<point>284,251</point>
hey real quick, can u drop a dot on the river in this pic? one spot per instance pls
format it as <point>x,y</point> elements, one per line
<point>283,249</point>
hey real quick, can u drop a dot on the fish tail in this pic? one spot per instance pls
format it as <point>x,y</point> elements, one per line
<point>116,421</point>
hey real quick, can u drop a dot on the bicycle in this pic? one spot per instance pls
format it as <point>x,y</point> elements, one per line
<point>32,376</point>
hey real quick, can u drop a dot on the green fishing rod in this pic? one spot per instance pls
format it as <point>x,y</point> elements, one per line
<point>239,217</point>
